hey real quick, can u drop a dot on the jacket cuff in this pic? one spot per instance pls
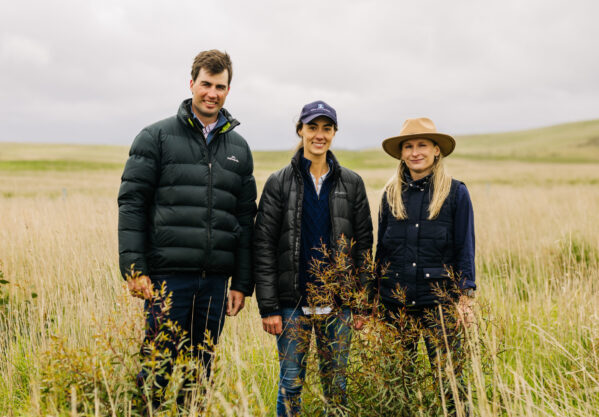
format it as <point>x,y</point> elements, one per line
<point>126,270</point>
<point>270,314</point>
<point>244,286</point>
<point>245,291</point>
<point>467,284</point>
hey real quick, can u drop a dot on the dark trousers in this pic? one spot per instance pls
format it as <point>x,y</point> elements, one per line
<point>198,306</point>
<point>442,335</point>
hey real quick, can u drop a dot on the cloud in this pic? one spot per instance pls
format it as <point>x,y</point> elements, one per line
<point>98,71</point>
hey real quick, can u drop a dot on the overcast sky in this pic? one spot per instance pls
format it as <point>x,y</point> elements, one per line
<point>89,71</point>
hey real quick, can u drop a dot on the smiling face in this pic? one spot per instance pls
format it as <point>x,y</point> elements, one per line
<point>419,156</point>
<point>317,136</point>
<point>209,92</point>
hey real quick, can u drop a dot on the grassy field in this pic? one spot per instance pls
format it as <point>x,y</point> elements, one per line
<point>64,311</point>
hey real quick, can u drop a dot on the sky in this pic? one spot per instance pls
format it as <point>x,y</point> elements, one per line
<point>97,72</point>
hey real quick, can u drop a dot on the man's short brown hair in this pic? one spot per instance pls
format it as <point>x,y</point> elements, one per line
<point>214,62</point>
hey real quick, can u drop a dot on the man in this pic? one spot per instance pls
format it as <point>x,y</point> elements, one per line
<point>186,206</point>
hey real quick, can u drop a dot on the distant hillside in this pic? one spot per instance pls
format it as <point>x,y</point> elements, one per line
<point>565,143</point>
<point>569,142</point>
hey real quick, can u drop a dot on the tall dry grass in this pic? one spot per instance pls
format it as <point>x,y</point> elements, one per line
<point>535,353</point>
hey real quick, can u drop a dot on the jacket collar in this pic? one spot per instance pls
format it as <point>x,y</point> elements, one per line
<point>186,117</point>
<point>333,163</point>
<point>420,184</point>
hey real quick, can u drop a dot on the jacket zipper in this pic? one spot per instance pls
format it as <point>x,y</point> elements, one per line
<point>334,185</point>
<point>209,225</point>
<point>232,124</point>
<point>333,235</point>
<point>209,208</point>
<point>298,218</point>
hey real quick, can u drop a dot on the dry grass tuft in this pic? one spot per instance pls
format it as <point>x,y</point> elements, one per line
<point>538,274</point>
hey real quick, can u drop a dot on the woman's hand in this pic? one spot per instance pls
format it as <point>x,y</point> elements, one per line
<point>140,287</point>
<point>358,322</point>
<point>273,324</point>
<point>465,310</point>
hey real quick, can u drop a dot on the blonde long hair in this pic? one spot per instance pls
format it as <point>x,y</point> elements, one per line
<point>441,184</point>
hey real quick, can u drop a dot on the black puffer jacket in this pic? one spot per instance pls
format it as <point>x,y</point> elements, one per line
<point>278,228</point>
<point>188,207</point>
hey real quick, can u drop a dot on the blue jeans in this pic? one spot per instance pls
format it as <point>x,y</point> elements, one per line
<point>333,338</point>
<point>198,306</point>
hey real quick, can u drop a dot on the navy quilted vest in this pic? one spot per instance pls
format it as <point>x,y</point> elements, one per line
<point>417,250</point>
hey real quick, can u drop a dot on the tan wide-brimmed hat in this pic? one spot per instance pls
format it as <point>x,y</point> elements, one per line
<point>421,127</point>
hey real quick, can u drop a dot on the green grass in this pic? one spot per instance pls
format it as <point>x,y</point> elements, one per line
<point>551,158</point>
<point>570,143</point>
<point>60,165</point>
<point>537,269</point>
<point>35,157</point>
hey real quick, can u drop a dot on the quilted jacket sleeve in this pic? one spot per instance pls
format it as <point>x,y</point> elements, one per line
<point>138,183</point>
<point>266,234</point>
<point>362,222</point>
<point>363,232</point>
<point>246,210</point>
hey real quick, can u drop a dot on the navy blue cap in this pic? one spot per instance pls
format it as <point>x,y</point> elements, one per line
<point>315,109</point>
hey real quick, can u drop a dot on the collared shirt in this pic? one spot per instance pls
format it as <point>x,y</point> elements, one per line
<point>210,129</point>
<point>206,129</point>
<point>315,223</point>
<point>318,184</point>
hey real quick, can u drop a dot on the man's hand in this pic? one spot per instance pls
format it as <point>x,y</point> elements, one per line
<point>358,322</point>
<point>273,324</point>
<point>465,310</point>
<point>235,302</point>
<point>140,287</point>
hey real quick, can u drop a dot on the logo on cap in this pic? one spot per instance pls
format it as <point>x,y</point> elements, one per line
<point>317,108</point>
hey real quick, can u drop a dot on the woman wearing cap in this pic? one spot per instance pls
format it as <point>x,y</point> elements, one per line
<point>425,238</point>
<point>310,202</point>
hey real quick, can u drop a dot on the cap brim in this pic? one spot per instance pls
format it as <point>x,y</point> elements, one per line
<point>311,117</point>
<point>445,142</point>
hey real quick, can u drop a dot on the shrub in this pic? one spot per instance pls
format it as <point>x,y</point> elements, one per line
<point>103,379</point>
<point>385,376</point>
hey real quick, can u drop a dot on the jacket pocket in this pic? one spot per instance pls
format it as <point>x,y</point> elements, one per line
<point>395,232</point>
<point>435,273</point>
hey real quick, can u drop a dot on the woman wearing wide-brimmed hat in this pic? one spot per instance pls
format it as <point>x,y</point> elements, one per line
<point>426,241</point>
